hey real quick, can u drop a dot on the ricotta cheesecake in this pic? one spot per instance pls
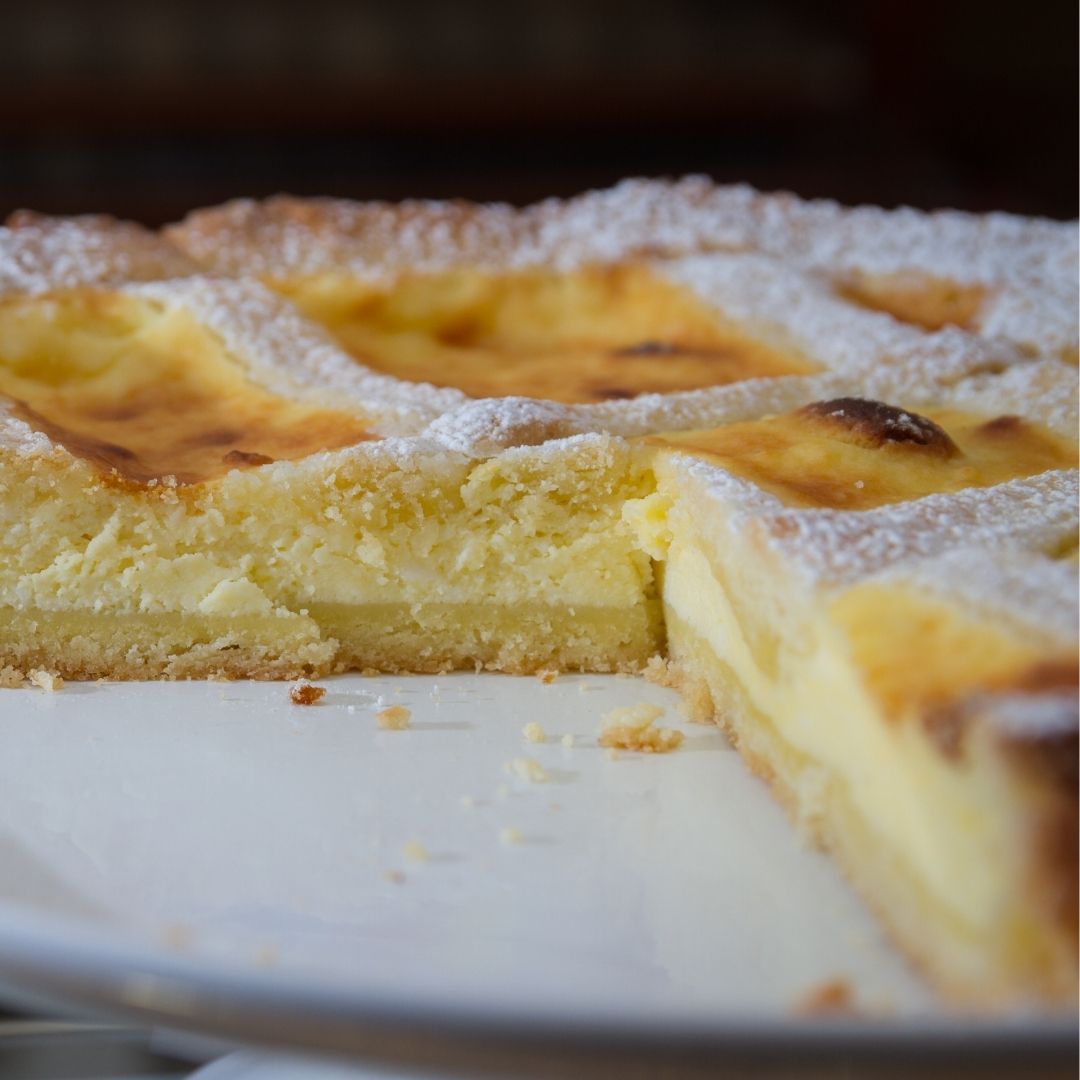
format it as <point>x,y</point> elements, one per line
<point>815,467</point>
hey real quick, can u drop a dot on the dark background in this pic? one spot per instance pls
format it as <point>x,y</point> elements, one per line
<point>147,109</point>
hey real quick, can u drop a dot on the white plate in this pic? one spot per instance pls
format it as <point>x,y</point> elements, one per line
<point>211,856</point>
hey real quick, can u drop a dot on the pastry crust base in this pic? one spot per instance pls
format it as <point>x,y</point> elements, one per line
<point>426,638</point>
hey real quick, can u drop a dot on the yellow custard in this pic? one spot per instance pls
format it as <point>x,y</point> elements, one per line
<point>593,335</point>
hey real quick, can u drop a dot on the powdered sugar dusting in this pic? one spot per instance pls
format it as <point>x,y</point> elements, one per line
<point>39,253</point>
<point>1027,265</point>
<point>295,358</point>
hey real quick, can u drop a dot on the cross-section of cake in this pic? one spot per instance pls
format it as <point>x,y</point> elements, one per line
<point>823,462</point>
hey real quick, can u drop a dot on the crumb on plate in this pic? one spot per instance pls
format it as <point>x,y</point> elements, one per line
<point>393,718</point>
<point>305,693</point>
<point>833,997</point>
<point>534,732</point>
<point>46,680</point>
<point>509,835</point>
<point>631,728</point>
<point>414,850</point>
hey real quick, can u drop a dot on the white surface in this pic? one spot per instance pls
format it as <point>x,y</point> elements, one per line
<point>223,823</point>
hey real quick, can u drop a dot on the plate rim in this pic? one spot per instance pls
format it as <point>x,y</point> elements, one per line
<point>116,976</point>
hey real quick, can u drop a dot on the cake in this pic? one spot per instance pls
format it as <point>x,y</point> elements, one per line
<point>815,467</point>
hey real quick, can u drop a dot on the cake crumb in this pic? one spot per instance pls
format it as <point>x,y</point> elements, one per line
<point>554,807</point>
<point>502,791</point>
<point>468,801</point>
<point>509,835</point>
<point>534,732</point>
<point>612,754</point>
<point>11,678</point>
<point>567,740</point>
<point>528,769</point>
<point>306,693</point>
<point>393,718</point>
<point>395,877</point>
<point>45,680</point>
<point>414,850</point>
<point>631,728</point>
<point>659,671</point>
<point>833,997</point>
<point>547,676</point>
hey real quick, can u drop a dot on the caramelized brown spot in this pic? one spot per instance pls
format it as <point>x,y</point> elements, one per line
<point>947,722</point>
<point>1056,674</point>
<point>1002,425</point>
<point>946,725</point>
<point>246,457</point>
<point>215,437</point>
<point>873,423</point>
<point>611,393</point>
<point>305,693</point>
<point>146,394</point>
<point>852,454</point>
<point>650,348</point>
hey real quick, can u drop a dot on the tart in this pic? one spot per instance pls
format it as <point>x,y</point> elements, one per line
<point>821,461</point>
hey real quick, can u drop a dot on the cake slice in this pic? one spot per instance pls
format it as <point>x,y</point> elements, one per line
<point>894,647</point>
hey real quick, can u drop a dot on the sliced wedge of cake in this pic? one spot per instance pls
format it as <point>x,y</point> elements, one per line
<point>899,661</point>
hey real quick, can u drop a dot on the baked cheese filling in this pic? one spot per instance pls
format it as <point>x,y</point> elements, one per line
<point>590,335</point>
<point>854,454</point>
<point>819,690</point>
<point>146,392</point>
<point>847,692</point>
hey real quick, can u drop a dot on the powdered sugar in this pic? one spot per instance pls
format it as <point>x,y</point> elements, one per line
<point>39,253</point>
<point>1028,266</point>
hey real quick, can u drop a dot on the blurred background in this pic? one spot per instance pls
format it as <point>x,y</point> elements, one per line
<point>146,109</point>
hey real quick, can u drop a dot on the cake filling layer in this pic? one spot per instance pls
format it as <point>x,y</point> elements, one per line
<point>146,392</point>
<point>589,335</point>
<point>813,697</point>
<point>855,454</point>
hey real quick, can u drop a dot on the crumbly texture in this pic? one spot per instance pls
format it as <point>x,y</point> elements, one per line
<point>305,693</point>
<point>631,728</point>
<point>415,851</point>
<point>394,718</point>
<point>45,680</point>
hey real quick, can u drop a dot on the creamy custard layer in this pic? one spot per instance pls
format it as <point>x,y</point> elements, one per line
<point>941,820</point>
<point>147,392</point>
<point>590,335</point>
